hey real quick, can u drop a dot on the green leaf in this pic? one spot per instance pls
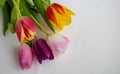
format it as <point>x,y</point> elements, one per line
<point>29,2</point>
<point>14,18</point>
<point>48,1</point>
<point>30,43</point>
<point>6,17</point>
<point>2,2</point>
<point>40,6</point>
<point>13,15</point>
<point>24,10</point>
<point>10,3</point>
<point>11,27</point>
<point>32,8</point>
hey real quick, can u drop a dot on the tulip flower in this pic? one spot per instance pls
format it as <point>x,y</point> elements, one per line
<point>58,15</point>
<point>58,43</point>
<point>25,56</point>
<point>25,29</point>
<point>42,50</point>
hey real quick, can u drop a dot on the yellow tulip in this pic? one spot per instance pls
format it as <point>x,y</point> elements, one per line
<point>58,15</point>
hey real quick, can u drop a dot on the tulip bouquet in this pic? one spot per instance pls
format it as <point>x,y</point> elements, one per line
<point>20,17</point>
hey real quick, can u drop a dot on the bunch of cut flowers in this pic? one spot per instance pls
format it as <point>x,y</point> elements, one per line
<point>20,17</point>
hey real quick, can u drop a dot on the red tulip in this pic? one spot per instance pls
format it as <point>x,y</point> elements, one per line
<point>25,29</point>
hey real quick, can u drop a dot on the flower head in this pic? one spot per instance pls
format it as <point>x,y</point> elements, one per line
<point>58,43</point>
<point>25,56</point>
<point>25,29</point>
<point>42,50</point>
<point>59,15</point>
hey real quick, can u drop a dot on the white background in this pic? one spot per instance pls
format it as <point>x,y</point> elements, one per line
<point>94,47</point>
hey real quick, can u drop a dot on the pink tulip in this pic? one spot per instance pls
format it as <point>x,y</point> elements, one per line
<point>58,43</point>
<point>25,56</point>
<point>25,29</point>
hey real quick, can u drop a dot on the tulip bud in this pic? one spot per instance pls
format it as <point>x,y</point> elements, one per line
<point>25,29</point>
<point>58,43</point>
<point>42,50</point>
<point>25,56</point>
<point>59,15</point>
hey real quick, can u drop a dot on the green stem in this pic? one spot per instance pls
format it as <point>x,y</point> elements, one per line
<point>39,25</point>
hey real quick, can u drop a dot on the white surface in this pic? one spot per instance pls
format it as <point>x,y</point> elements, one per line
<point>94,48</point>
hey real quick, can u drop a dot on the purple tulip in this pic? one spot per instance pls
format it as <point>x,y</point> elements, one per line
<point>42,50</point>
<point>25,56</point>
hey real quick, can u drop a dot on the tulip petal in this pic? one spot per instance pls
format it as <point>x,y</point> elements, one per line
<point>37,52</point>
<point>25,29</point>
<point>50,14</point>
<point>25,56</point>
<point>59,15</point>
<point>29,23</point>
<point>19,31</point>
<point>58,43</point>
<point>42,50</point>
<point>42,43</point>
<point>59,8</point>
<point>44,56</point>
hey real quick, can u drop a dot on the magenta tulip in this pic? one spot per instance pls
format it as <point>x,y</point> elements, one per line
<point>42,50</point>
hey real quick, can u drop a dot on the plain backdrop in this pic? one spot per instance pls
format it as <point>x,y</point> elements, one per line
<point>94,47</point>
